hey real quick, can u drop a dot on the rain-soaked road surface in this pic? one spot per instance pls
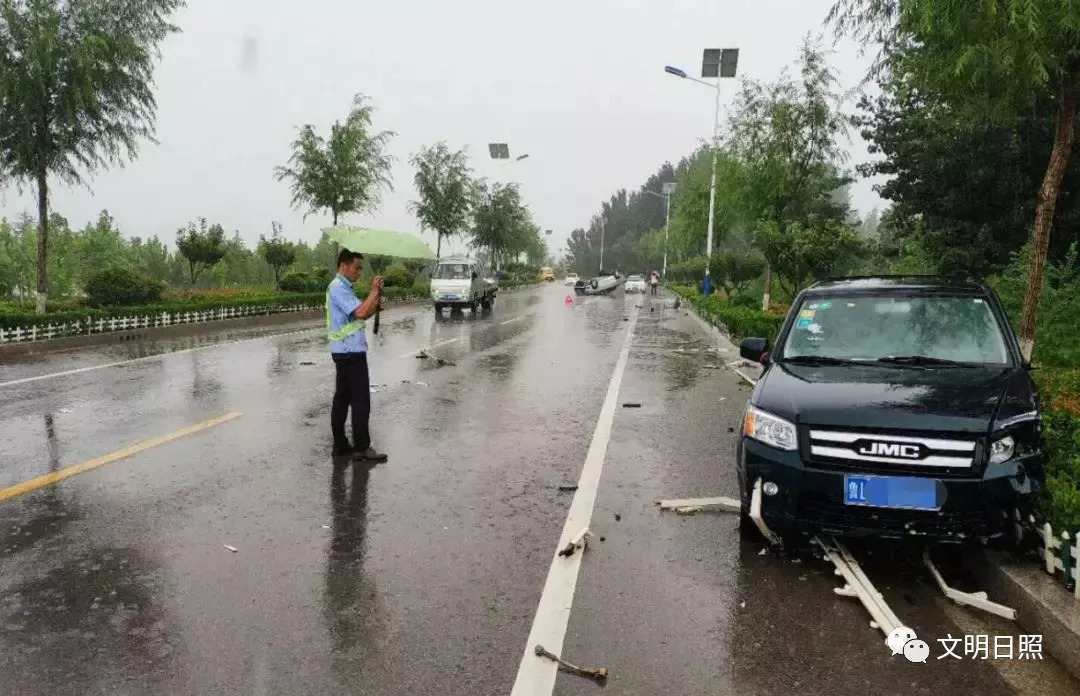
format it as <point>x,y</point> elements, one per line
<point>423,575</point>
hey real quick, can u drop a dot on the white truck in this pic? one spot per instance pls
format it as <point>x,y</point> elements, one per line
<point>458,283</point>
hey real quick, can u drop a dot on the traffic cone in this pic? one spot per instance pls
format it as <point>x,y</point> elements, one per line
<point>569,300</point>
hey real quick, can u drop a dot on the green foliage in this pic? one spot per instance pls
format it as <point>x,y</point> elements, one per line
<point>278,253</point>
<point>447,192</point>
<point>302,281</point>
<point>345,173</point>
<point>202,247</point>
<point>808,250</point>
<point>76,90</point>
<point>739,322</point>
<point>397,276</point>
<point>113,287</point>
<point>503,226</point>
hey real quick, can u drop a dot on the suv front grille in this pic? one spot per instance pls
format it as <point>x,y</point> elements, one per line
<point>938,455</point>
<point>830,513</point>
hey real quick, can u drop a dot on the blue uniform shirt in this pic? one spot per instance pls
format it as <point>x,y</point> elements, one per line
<point>343,302</point>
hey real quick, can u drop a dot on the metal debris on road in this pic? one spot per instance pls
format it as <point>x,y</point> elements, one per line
<point>617,517</point>
<point>689,509</point>
<point>979,600</point>
<point>444,361</point>
<point>307,362</point>
<point>631,404</point>
<point>231,548</point>
<point>422,384</point>
<point>723,502</point>
<point>710,366</point>
<point>580,541</point>
<point>598,674</point>
<point>568,487</point>
<point>422,356</point>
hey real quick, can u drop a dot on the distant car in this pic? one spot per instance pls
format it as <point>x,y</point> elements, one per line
<point>635,283</point>
<point>456,283</point>
<point>548,274</point>
<point>571,278</point>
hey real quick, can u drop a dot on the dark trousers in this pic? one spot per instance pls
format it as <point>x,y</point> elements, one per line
<point>352,390</point>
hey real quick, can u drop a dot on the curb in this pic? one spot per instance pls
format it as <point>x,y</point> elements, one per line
<point>1042,606</point>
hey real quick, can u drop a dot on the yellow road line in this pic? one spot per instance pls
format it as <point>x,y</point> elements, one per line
<point>57,476</point>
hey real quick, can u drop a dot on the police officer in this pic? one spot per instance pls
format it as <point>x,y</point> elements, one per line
<point>345,315</point>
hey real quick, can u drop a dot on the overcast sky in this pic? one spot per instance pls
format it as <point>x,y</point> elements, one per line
<point>579,86</point>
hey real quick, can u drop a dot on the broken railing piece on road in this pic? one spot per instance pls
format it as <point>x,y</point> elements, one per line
<point>578,542</point>
<point>686,506</point>
<point>858,585</point>
<point>979,600</point>
<point>598,674</point>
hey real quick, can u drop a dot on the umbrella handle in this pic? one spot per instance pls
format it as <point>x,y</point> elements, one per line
<point>378,309</point>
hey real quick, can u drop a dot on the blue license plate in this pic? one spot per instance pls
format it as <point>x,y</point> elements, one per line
<point>894,492</point>
<point>449,297</point>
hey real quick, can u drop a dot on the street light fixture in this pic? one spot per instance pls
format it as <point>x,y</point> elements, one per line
<point>666,191</point>
<point>716,63</point>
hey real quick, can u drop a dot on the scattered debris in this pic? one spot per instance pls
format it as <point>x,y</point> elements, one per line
<point>307,362</point>
<point>731,430</point>
<point>566,487</point>
<point>231,548</point>
<point>444,361</point>
<point>722,398</point>
<point>326,526</point>
<point>422,356</point>
<point>618,517</point>
<point>979,600</point>
<point>728,504</point>
<point>710,366</point>
<point>652,309</point>
<point>763,552</point>
<point>603,538</point>
<point>422,384</point>
<point>578,542</point>
<point>598,674</point>
<point>631,404</point>
<point>626,318</point>
<point>689,509</point>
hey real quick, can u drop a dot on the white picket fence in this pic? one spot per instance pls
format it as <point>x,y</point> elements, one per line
<point>89,326</point>
<point>1061,553</point>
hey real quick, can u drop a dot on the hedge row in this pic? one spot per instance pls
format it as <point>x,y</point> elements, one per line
<point>738,320</point>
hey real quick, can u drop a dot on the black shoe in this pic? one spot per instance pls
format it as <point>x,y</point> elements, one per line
<point>370,455</point>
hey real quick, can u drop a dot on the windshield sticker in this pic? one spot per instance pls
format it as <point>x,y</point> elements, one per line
<point>825,305</point>
<point>805,323</point>
<point>806,314</point>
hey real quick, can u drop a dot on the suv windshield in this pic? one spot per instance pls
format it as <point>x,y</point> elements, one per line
<point>634,277</point>
<point>867,327</point>
<point>452,271</point>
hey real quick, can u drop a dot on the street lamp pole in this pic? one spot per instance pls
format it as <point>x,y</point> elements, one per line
<point>501,151</point>
<point>718,63</point>
<point>601,244</point>
<point>668,189</point>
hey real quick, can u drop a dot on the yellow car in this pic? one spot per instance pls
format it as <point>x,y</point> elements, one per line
<point>547,274</point>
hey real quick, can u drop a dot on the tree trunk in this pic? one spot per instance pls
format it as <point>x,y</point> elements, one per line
<point>335,217</point>
<point>438,245</point>
<point>1064,133</point>
<point>42,241</point>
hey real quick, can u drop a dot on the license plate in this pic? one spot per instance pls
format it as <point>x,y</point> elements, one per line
<point>894,492</point>
<point>449,297</point>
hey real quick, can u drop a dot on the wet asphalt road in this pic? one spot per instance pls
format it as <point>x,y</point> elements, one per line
<point>422,575</point>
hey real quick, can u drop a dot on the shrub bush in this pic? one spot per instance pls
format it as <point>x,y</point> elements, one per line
<point>114,287</point>
<point>302,281</point>
<point>397,276</point>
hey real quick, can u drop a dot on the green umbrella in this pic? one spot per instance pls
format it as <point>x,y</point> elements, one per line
<point>401,245</point>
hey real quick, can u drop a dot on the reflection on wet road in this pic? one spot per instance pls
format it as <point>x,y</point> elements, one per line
<point>422,575</point>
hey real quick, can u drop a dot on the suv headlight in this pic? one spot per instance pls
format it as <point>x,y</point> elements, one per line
<point>1002,449</point>
<point>769,429</point>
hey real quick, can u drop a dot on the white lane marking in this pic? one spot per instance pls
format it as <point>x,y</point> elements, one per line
<point>155,356</point>
<point>510,321</point>
<point>536,675</point>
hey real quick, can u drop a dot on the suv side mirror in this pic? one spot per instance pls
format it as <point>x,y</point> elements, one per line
<point>754,349</point>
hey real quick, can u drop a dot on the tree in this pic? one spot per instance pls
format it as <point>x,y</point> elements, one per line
<point>76,92</point>
<point>987,61</point>
<point>807,249</point>
<point>278,252</point>
<point>499,220</point>
<point>786,134</point>
<point>201,247</point>
<point>448,194</point>
<point>345,173</point>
